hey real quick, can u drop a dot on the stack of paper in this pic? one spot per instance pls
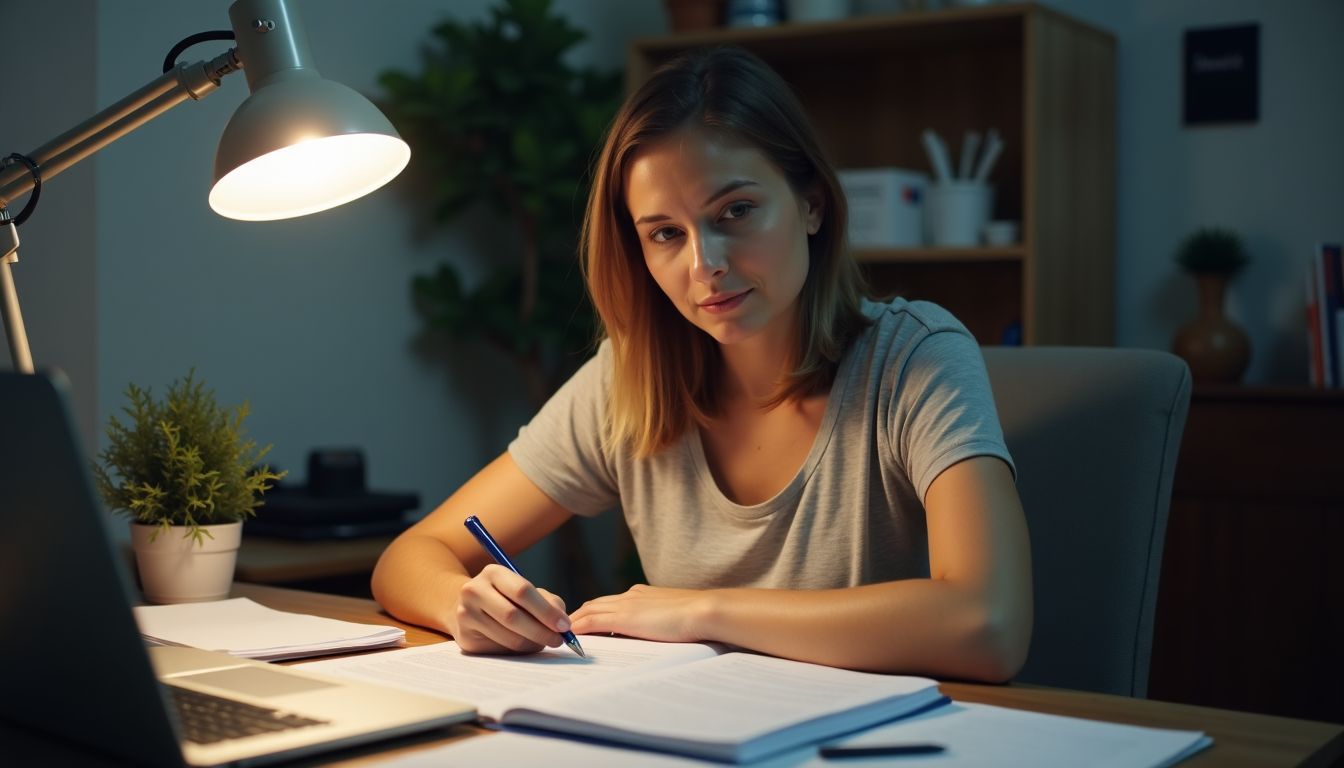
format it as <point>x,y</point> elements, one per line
<point>243,628</point>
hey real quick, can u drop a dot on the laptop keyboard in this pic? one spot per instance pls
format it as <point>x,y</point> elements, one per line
<point>207,719</point>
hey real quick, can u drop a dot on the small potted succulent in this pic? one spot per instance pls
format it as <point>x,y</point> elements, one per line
<point>1216,349</point>
<point>184,472</point>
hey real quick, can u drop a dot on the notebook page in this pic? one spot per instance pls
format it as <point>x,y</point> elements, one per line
<point>493,683</point>
<point>727,699</point>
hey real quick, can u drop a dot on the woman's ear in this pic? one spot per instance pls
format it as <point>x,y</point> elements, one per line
<point>814,209</point>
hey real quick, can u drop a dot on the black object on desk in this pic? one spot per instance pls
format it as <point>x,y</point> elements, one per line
<point>334,504</point>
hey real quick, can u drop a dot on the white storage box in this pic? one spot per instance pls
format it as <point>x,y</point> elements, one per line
<point>886,206</point>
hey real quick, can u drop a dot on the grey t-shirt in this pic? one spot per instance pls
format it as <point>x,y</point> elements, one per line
<point>910,399</point>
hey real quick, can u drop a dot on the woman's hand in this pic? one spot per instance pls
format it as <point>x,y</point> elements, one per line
<point>499,611</point>
<point>651,613</point>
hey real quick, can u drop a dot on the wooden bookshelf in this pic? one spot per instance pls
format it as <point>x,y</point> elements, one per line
<point>872,84</point>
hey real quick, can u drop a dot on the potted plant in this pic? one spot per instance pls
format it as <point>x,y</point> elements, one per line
<point>1216,349</point>
<point>498,115</point>
<point>185,473</point>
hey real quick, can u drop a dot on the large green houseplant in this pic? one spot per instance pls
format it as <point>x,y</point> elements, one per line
<point>498,115</point>
<point>185,473</point>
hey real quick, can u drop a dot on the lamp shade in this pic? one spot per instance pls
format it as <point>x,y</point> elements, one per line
<point>300,144</point>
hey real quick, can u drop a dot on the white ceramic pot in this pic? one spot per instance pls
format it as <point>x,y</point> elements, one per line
<point>174,569</point>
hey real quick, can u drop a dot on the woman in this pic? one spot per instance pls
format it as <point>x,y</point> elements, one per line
<point>805,473</point>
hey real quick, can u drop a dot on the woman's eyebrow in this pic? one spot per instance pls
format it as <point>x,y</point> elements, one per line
<point>731,186</point>
<point>728,188</point>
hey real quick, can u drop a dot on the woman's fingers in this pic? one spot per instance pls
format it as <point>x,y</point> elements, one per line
<point>503,608</point>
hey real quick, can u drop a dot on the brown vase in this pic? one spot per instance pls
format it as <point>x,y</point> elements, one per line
<point>694,15</point>
<point>1214,347</point>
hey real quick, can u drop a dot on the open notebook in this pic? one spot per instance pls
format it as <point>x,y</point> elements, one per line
<point>686,698</point>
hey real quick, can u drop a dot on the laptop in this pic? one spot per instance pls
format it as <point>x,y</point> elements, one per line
<point>72,661</point>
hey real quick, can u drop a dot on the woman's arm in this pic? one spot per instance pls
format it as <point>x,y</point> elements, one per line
<point>970,619</point>
<point>436,575</point>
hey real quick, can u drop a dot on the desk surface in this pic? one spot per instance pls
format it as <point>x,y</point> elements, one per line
<point>1240,739</point>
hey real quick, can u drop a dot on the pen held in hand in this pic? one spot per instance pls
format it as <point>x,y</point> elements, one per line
<point>487,543</point>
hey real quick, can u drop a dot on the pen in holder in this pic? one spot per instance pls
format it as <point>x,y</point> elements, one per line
<point>957,211</point>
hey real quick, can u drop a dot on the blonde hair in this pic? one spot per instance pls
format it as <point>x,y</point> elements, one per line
<point>665,369</point>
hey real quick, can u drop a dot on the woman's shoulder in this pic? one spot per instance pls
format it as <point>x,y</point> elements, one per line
<point>898,319</point>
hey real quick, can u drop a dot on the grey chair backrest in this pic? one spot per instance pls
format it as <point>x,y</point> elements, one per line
<point>1094,433</point>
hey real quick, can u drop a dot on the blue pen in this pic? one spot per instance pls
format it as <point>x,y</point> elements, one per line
<point>488,543</point>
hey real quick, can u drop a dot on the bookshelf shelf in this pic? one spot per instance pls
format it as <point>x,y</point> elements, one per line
<point>872,84</point>
<point>939,255</point>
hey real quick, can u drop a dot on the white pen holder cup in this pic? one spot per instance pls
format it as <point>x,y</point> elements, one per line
<point>957,211</point>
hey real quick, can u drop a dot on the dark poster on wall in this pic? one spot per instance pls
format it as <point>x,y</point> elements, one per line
<point>1222,75</point>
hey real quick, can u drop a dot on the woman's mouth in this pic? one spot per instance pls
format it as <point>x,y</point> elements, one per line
<point>724,302</point>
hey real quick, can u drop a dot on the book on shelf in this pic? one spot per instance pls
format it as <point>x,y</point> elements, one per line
<point>1325,316</point>
<point>693,699</point>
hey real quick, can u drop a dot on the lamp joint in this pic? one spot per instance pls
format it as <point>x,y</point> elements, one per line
<point>9,239</point>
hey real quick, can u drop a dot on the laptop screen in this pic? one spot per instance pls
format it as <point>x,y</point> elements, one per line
<point>71,657</point>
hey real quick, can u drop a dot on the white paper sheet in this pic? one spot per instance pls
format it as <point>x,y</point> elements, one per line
<point>243,628</point>
<point>980,735</point>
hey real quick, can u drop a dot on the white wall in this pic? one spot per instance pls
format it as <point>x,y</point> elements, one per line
<point>127,276</point>
<point>1278,181</point>
<point>48,57</point>
<point>309,319</point>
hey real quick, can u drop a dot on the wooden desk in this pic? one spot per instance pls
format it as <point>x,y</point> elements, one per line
<point>1240,739</point>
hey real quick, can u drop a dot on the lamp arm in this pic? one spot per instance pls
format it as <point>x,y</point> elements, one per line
<point>186,81</point>
<point>175,86</point>
<point>9,298</point>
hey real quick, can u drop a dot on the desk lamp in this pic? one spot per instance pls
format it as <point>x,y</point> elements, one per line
<point>298,144</point>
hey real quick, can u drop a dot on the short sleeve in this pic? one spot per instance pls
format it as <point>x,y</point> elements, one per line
<point>945,412</point>
<point>561,448</point>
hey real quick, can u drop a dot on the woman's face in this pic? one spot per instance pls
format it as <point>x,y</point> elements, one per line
<point>723,232</point>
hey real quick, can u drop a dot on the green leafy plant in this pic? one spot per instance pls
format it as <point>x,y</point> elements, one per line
<point>1212,250</point>
<point>183,460</point>
<point>498,115</point>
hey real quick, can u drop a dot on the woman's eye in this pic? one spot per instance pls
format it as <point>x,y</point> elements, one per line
<point>663,234</point>
<point>737,210</point>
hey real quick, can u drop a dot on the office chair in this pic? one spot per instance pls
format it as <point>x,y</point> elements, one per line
<point>1094,433</point>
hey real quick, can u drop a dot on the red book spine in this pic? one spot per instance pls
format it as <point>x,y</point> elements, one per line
<point>1315,367</point>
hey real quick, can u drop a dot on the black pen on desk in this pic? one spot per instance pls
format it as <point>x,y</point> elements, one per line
<point>834,752</point>
<point>488,543</point>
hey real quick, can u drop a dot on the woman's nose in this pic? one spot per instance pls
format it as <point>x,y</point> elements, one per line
<point>709,256</point>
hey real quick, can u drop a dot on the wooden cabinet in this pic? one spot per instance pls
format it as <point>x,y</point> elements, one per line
<point>872,84</point>
<point>1250,608</point>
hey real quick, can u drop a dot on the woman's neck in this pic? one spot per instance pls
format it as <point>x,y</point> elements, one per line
<point>753,368</point>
